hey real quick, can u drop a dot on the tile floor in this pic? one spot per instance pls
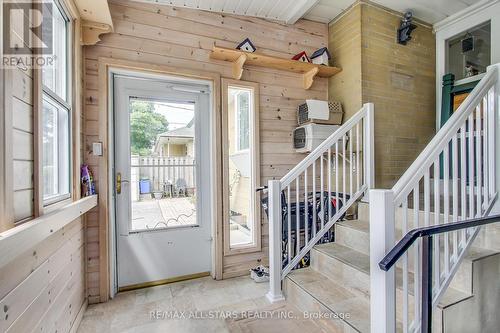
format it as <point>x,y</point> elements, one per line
<point>135,311</point>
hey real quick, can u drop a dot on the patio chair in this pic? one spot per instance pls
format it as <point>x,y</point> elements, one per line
<point>180,187</point>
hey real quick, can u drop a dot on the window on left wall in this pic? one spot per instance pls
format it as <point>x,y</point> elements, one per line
<point>56,114</point>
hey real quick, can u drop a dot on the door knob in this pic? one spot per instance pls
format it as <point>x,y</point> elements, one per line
<point>119,182</point>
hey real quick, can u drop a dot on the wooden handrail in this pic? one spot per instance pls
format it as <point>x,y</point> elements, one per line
<point>18,240</point>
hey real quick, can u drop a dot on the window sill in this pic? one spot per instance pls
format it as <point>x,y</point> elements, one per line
<point>21,238</point>
<point>55,205</point>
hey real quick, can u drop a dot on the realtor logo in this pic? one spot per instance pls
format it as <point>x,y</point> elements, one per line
<point>27,34</point>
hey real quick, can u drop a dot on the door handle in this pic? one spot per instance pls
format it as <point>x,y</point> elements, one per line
<point>119,182</point>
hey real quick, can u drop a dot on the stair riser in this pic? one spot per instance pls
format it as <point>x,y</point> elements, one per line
<point>359,282</point>
<point>353,238</point>
<point>489,237</point>
<point>463,277</point>
<point>305,302</point>
<point>336,270</point>
<point>364,214</point>
<point>481,311</point>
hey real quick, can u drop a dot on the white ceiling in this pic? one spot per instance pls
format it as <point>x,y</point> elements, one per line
<point>282,10</point>
<point>289,11</point>
<point>430,11</point>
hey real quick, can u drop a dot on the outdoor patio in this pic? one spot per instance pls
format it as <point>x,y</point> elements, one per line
<point>163,213</point>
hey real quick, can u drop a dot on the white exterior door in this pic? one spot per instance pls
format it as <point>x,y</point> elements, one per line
<point>163,208</point>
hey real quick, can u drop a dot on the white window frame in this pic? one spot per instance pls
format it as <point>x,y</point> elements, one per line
<point>254,150</point>
<point>61,103</point>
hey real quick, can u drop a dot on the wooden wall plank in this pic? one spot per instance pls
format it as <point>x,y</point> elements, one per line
<point>41,278</point>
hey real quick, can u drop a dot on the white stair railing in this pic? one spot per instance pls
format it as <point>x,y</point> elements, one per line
<point>453,179</point>
<point>305,203</point>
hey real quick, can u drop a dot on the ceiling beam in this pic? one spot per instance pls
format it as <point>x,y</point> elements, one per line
<point>298,10</point>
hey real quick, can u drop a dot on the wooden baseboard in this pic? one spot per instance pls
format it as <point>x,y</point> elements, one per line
<point>79,317</point>
<point>164,281</point>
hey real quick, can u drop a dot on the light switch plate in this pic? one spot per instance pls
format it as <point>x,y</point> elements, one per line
<point>97,148</point>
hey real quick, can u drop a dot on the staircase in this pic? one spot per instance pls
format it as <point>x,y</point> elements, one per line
<point>453,179</point>
<point>337,283</point>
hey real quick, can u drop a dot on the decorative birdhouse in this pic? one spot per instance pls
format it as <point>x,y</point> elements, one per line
<point>321,56</point>
<point>302,56</point>
<point>246,46</point>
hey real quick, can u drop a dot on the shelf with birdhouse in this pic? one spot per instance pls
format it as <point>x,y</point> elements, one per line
<point>239,58</point>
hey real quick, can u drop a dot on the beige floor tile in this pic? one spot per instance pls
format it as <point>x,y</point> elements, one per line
<point>132,311</point>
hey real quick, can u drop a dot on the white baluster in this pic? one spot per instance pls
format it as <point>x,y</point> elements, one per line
<point>306,211</point>
<point>478,163</point>
<point>454,152</point>
<point>427,199</point>
<point>463,178</point>
<point>297,214</point>
<point>416,254</point>
<point>437,221</point>
<point>289,222</point>
<point>446,168</point>
<point>314,209</point>
<point>322,216</point>
<point>337,196</point>
<point>329,195</point>
<point>350,163</point>
<point>358,171</point>
<point>343,171</point>
<point>470,159</point>
<point>405,267</point>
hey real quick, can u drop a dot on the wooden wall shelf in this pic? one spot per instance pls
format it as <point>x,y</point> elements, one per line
<point>239,58</point>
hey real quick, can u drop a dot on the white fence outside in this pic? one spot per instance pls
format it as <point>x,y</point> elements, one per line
<point>170,175</point>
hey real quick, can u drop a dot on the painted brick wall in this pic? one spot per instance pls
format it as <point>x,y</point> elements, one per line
<point>398,79</point>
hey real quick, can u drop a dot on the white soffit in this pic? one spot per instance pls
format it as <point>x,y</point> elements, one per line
<point>289,11</point>
<point>430,11</point>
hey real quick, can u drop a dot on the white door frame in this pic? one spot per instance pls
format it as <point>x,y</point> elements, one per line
<point>111,71</point>
<point>474,15</point>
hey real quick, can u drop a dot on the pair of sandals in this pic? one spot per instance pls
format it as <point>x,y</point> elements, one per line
<point>260,274</point>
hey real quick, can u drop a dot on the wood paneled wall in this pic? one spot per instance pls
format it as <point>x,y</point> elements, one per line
<point>21,110</point>
<point>179,37</point>
<point>42,290</point>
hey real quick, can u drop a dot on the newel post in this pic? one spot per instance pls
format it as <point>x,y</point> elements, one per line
<point>382,284</point>
<point>275,293</point>
<point>368,148</point>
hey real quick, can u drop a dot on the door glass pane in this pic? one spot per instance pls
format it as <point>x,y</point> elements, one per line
<point>470,52</point>
<point>240,165</point>
<point>162,180</point>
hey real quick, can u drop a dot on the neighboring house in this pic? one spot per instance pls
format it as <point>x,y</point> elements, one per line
<point>176,143</point>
